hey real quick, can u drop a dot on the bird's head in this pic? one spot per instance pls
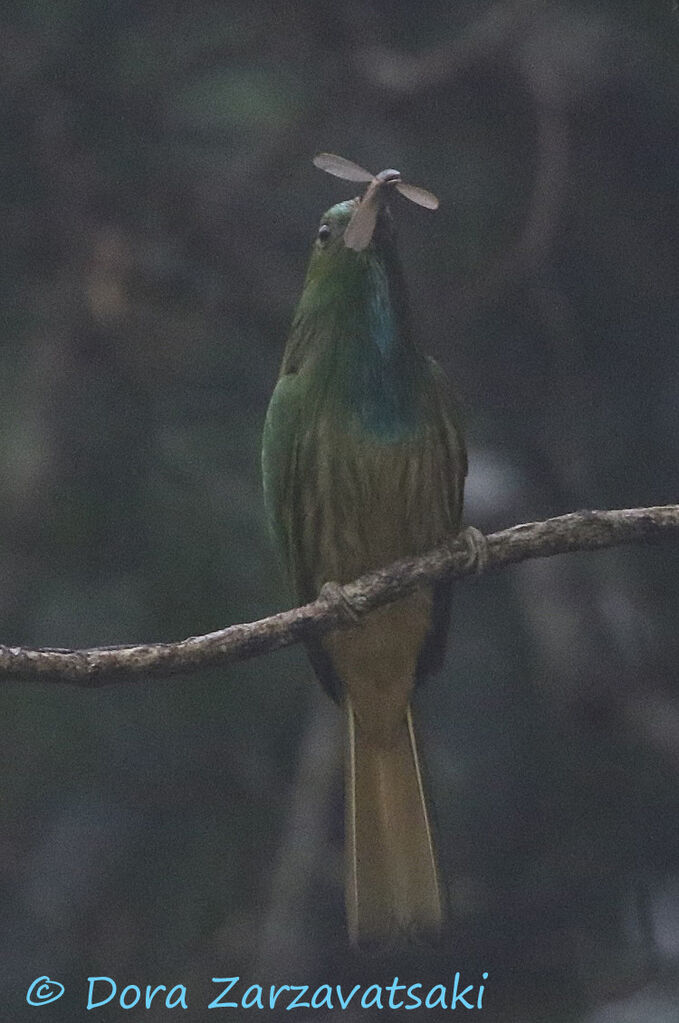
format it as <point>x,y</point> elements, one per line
<point>336,231</point>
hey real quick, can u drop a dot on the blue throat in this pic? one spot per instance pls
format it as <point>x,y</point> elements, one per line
<point>381,320</point>
<point>382,380</point>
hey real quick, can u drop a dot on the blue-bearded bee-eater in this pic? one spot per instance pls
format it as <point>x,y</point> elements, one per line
<point>363,463</point>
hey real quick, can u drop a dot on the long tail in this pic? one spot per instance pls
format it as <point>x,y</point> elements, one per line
<point>393,890</point>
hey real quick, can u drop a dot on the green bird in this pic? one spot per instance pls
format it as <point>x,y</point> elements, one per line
<point>363,463</point>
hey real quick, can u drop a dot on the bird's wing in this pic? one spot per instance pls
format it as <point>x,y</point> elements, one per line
<point>279,454</point>
<point>454,470</point>
<point>449,413</point>
<point>280,476</point>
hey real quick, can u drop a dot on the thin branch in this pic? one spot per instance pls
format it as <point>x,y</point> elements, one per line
<point>579,531</point>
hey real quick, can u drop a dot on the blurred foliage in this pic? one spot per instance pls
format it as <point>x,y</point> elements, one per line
<point>157,206</point>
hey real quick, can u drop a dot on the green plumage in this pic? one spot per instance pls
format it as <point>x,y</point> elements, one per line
<point>364,462</point>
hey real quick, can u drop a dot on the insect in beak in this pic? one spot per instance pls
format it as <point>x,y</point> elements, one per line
<point>361,227</point>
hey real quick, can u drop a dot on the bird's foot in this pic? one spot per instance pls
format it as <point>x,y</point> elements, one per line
<point>336,594</point>
<point>477,548</point>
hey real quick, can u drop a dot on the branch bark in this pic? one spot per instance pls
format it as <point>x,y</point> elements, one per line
<point>578,531</point>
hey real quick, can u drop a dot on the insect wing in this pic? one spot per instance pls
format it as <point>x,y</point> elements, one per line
<point>419,195</point>
<point>341,168</point>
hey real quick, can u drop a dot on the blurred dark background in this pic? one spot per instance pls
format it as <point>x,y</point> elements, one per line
<point>158,202</point>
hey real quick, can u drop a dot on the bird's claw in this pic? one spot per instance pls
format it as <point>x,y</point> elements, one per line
<point>477,548</point>
<point>336,594</point>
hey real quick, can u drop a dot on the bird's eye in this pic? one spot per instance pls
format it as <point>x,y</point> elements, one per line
<point>324,233</point>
